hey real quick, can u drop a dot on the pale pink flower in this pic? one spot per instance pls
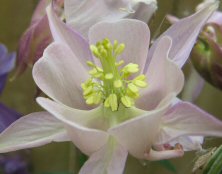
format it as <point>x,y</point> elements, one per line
<point>160,126</point>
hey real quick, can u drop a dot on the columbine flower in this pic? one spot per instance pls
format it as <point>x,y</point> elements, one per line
<point>152,124</point>
<point>78,16</point>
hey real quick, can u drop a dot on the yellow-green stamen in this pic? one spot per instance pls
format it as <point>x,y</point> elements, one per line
<point>110,84</point>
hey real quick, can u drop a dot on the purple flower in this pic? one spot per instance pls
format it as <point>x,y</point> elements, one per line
<point>7,116</point>
<point>13,164</point>
<point>7,62</point>
<point>9,164</point>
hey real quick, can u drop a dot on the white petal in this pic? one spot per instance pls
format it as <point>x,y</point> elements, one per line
<point>143,9</point>
<point>81,15</point>
<point>66,35</point>
<point>137,135</point>
<point>184,34</point>
<point>189,142</point>
<point>134,34</point>
<point>59,74</point>
<point>153,155</point>
<point>193,85</point>
<point>33,130</point>
<point>186,119</point>
<point>216,18</point>
<point>110,159</point>
<point>82,126</point>
<point>163,76</point>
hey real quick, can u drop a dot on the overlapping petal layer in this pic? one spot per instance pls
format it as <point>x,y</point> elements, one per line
<point>66,35</point>
<point>189,143</point>
<point>164,77</point>
<point>186,119</point>
<point>33,130</point>
<point>81,125</point>
<point>183,34</point>
<point>137,135</point>
<point>110,158</point>
<point>133,33</point>
<point>56,75</point>
<point>216,18</point>
<point>82,15</point>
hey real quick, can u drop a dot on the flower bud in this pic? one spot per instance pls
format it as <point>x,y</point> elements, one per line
<point>207,54</point>
<point>7,63</point>
<point>36,38</point>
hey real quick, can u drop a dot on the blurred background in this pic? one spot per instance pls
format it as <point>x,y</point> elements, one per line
<point>64,158</point>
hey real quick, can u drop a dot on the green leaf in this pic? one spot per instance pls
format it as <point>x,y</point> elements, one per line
<point>214,165</point>
<point>168,165</point>
<point>82,159</point>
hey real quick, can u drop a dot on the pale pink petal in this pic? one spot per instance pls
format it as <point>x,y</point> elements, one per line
<point>184,34</point>
<point>186,119</point>
<point>39,11</point>
<point>153,155</point>
<point>163,77</point>
<point>82,126</point>
<point>189,142</point>
<point>193,86</point>
<point>134,34</point>
<point>204,4</point>
<point>81,15</point>
<point>66,35</point>
<point>109,159</point>
<point>216,18</point>
<point>143,10</point>
<point>36,38</point>
<point>59,74</point>
<point>33,130</point>
<point>137,135</point>
<point>172,19</point>
<point>32,44</point>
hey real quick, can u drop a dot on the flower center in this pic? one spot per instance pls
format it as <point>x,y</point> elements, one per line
<point>111,84</point>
